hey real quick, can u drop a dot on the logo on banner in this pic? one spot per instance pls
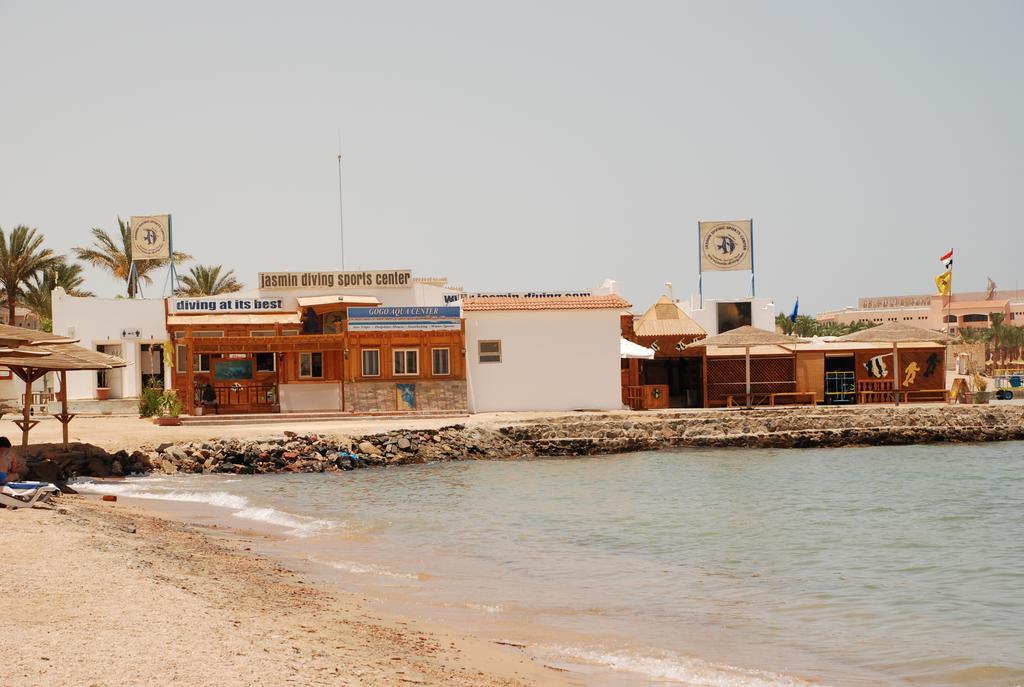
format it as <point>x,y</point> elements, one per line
<point>725,246</point>
<point>151,237</point>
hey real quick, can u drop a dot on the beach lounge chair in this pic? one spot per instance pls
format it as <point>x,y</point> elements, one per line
<point>26,494</point>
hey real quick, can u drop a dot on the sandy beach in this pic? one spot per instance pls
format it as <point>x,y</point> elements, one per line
<point>104,594</point>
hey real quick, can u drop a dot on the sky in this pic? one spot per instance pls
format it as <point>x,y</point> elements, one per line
<point>516,146</point>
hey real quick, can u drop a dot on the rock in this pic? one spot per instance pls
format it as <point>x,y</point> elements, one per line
<point>367,448</point>
<point>404,443</point>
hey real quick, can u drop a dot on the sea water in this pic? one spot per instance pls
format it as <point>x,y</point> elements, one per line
<point>860,566</point>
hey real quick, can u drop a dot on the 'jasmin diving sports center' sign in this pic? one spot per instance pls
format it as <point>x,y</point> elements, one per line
<point>404,318</point>
<point>379,279</point>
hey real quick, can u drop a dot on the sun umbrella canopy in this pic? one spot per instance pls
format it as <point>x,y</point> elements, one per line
<point>628,349</point>
<point>20,336</point>
<point>745,336</point>
<point>897,333</point>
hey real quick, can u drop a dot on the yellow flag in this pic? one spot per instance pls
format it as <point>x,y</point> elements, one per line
<point>943,282</point>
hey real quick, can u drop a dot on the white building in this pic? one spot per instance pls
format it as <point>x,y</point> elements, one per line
<point>131,328</point>
<point>717,316</point>
<point>544,353</point>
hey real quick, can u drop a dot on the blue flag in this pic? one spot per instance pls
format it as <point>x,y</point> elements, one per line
<point>796,307</point>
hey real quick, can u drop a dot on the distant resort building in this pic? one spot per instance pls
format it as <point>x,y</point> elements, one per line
<point>965,310</point>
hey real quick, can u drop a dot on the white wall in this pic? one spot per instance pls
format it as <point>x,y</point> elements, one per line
<point>551,360</point>
<point>99,321</point>
<point>762,312</point>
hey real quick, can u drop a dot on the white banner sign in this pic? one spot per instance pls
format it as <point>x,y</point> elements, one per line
<point>456,297</point>
<point>726,246</point>
<point>293,281</point>
<point>151,237</point>
<point>227,304</point>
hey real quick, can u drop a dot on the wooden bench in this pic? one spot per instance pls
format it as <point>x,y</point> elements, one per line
<point>809,398</point>
<point>924,395</point>
<point>753,400</point>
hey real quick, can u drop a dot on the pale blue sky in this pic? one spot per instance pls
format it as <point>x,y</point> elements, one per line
<point>530,145</point>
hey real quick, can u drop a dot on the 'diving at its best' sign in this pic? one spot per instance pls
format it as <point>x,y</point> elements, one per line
<point>220,305</point>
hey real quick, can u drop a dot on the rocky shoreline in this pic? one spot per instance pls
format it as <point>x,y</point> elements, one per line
<point>578,435</point>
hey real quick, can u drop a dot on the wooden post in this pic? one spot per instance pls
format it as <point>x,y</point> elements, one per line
<point>896,372</point>
<point>65,419</point>
<point>190,392</point>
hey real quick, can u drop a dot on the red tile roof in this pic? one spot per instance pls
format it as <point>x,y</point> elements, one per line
<point>607,302</point>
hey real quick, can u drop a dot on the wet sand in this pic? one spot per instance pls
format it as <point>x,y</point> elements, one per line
<point>106,594</point>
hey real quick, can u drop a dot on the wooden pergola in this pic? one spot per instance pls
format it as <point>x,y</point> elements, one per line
<point>30,354</point>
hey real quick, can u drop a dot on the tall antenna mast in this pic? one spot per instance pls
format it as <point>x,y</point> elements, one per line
<point>341,208</point>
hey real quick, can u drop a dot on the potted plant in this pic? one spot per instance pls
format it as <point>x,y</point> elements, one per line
<point>170,409</point>
<point>981,393</point>
<point>102,393</point>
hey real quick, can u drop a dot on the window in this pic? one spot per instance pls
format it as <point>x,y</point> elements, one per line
<point>975,318</point>
<point>266,362</point>
<point>407,362</point>
<point>289,332</point>
<point>201,362</point>
<point>262,332</point>
<point>208,335</point>
<point>181,359</point>
<point>311,365</point>
<point>371,362</point>
<point>490,351</point>
<point>440,362</point>
<point>179,335</point>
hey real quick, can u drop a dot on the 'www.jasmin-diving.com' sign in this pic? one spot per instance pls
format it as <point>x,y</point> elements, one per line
<point>405,318</point>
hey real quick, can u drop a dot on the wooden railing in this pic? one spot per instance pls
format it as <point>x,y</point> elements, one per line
<point>633,397</point>
<point>239,394</point>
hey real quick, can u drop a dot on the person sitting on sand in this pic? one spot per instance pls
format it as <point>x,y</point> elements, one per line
<point>8,462</point>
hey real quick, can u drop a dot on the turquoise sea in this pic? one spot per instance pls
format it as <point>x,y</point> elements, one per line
<point>860,566</point>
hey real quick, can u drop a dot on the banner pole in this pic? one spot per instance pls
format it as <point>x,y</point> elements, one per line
<point>700,271</point>
<point>172,276</point>
<point>753,291</point>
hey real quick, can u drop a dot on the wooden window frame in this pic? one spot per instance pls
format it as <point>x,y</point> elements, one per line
<point>362,362</point>
<point>262,332</point>
<point>208,334</point>
<point>197,363</point>
<point>480,353</point>
<point>180,359</point>
<point>255,363</point>
<point>405,352</point>
<point>447,362</point>
<point>311,375</point>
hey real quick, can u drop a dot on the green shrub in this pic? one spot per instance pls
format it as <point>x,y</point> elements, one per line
<point>151,399</point>
<point>170,403</point>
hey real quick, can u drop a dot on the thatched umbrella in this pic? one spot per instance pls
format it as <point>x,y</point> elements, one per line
<point>896,333</point>
<point>30,354</point>
<point>745,337</point>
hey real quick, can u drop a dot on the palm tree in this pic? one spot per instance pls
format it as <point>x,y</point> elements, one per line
<point>206,280</point>
<point>37,294</point>
<point>114,254</point>
<point>21,257</point>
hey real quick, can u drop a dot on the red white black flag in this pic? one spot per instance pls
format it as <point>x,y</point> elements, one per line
<point>947,260</point>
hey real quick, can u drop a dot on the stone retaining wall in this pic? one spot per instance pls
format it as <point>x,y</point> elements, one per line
<point>796,427</point>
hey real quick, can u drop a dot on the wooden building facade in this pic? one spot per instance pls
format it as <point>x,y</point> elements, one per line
<point>313,359</point>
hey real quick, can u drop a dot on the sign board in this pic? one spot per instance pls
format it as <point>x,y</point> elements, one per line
<point>151,237</point>
<point>378,279</point>
<point>894,302</point>
<point>422,319</point>
<point>726,246</point>
<point>226,304</point>
<point>456,297</point>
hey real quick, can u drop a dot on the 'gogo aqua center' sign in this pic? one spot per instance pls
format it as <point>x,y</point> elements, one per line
<point>422,319</point>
